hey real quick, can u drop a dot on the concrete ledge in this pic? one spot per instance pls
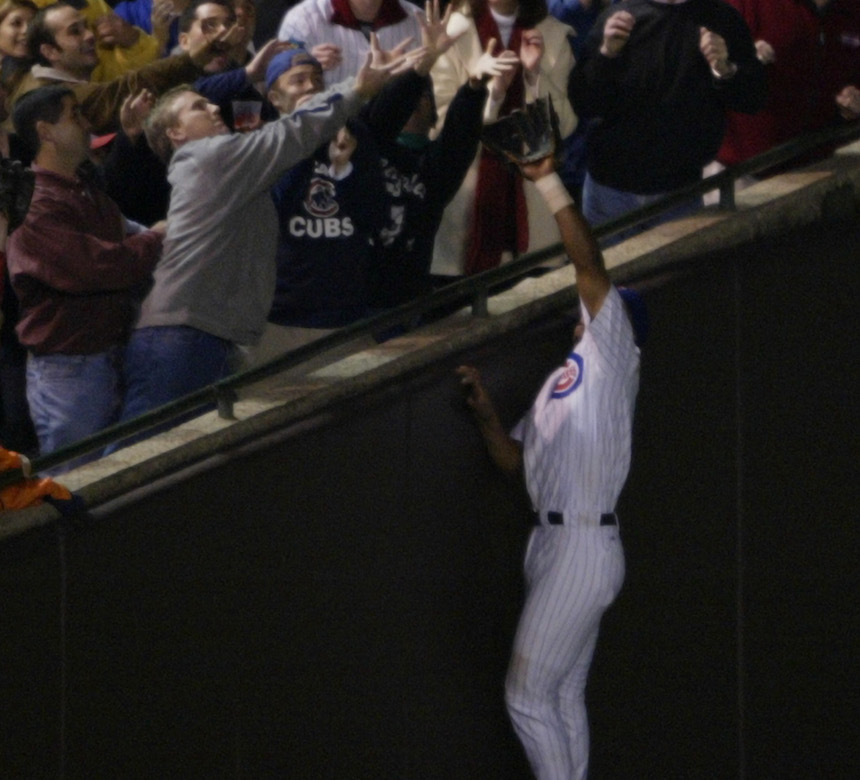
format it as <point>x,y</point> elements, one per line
<point>826,192</point>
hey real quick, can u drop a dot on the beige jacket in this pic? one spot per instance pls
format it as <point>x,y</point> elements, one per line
<point>450,72</point>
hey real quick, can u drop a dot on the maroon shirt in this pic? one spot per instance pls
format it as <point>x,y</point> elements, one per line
<point>78,277</point>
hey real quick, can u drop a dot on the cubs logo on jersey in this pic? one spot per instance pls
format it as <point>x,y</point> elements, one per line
<point>571,377</point>
<point>321,201</point>
<point>322,206</point>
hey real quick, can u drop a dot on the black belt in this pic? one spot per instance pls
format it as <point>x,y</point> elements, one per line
<point>557,518</point>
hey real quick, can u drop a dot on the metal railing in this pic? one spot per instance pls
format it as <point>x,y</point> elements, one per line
<point>474,290</point>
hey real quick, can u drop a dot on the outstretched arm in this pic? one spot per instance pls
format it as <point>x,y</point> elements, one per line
<point>592,281</point>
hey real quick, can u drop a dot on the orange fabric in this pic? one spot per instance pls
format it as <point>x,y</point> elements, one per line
<point>29,491</point>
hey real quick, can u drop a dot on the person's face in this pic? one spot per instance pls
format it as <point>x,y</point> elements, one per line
<point>70,134</point>
<point>196,118</point>
<point>210,20</point>
<point>296,86</point>
<point>13,32</point>
<point>75,49</point>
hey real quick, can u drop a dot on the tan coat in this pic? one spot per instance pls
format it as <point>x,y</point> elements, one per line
<point>449,73</point>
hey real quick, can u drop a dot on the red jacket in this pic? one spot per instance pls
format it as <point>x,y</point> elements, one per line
<point>77,275</point>
<point>817,54</point>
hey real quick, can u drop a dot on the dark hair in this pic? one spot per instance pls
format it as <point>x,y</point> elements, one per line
<point>189,15</point>
<point>44,104</point>
<point>38,31</point>
<point>529,12</point>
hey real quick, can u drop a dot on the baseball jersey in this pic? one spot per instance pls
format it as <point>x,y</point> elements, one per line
<point>576,436</point>
<point>331,21</point>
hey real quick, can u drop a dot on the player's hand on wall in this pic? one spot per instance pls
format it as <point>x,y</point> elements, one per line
<point>848,101</point>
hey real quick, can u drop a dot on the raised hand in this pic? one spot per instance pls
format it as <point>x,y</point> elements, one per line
<point>381,57</point>
<point>434,35</point>
<point>616,33</point>
<point>256,68</point>
<point>370,78</point>
<point>327,54</point>
<point>135,109</point>
<point>531,54</point>
<point>716,53</point>
<point>764,53</point>
<point>489,66</point>
<point>212,45</point>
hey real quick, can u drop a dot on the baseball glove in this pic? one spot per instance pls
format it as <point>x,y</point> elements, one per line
<point>525,135</point>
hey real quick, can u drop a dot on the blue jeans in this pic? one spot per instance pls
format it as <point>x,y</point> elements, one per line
<point>601,203</point>
<point>71,397</point>
<point>166,363</point>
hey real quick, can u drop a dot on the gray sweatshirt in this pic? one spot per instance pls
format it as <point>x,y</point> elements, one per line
<point>217,271</point>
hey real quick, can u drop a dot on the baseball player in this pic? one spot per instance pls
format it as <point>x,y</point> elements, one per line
<point>574,447</point>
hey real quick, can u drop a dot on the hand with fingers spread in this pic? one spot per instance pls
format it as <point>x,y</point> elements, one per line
<point>616,33</point>
<point>490,67</point>
<point>135,109</point>
<point>328,55</point>
<point>434,35</point>
<point>370,78</point>
<point>383,57</point>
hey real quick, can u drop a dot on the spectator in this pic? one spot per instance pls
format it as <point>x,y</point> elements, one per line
<point>493,197</point>
<point>213,288</point>
<point>660,77</point>
<point>329,208</point>
<point>337,32</point>
<point>421,177</point>
<point>811,53</point>
<point>15,16</point>
<point>79,274</point>
<point>64,50</point>
<point>224,82</point>
<point>580,15</point>
<point>119,46</point>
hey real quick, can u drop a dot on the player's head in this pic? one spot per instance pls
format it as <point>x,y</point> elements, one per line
<point>292,78</point>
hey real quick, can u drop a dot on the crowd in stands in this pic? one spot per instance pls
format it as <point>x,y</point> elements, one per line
<point>171,240</point>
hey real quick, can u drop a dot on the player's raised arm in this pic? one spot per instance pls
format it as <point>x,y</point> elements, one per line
<point>592,281</point>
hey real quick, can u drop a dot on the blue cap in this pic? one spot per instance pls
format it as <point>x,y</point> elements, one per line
<point>283,61</point>
<point>638,313</point>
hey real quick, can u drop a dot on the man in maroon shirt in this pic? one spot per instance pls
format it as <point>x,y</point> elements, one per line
<point>79,269</point>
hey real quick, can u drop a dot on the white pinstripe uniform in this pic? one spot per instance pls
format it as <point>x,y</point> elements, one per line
<point>309,23</point>
<point>576,450</point>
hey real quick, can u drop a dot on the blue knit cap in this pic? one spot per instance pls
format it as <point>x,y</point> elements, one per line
<point>638,313</point>
<point>283,61</point>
